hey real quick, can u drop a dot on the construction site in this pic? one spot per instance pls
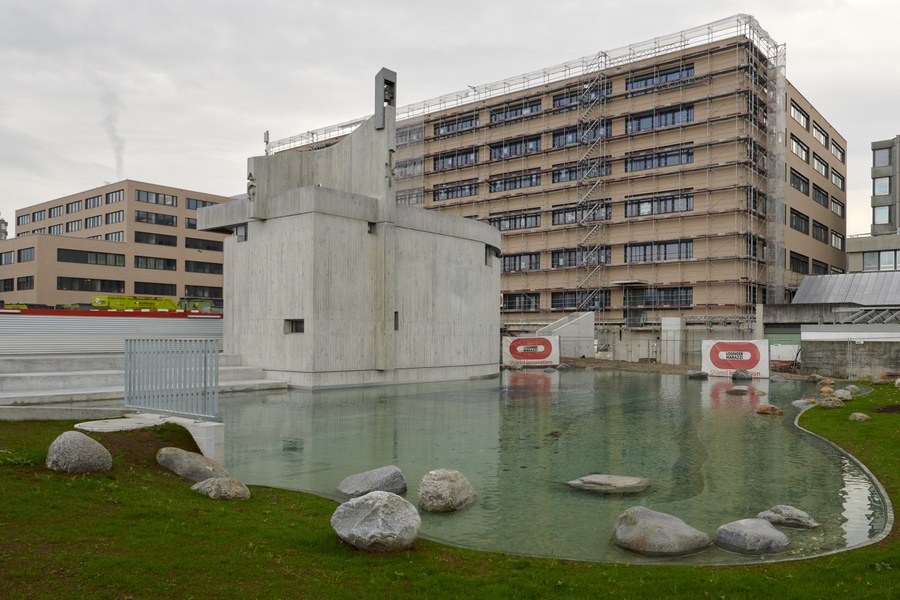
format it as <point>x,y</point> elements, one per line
<point>679,177</point>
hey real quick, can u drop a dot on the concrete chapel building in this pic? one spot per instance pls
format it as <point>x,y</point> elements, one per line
<point>328,282</point>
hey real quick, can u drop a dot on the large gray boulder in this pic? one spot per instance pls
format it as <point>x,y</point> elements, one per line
<point>384,479</point>
<point>610,484</point>
<point>788,516</point>
<point>843,395</point>
<point>445,490</point>
<point>74,452</point>
<point>377,522</point>
<point>858,416</point>
<point>697,374</point>
<point>831,403</point>
<point>738,390</point>
<point>741,375</point>
<point>222,488</point>
<point>653,533</point>
<point>751,536</point>
<point>190,465</point>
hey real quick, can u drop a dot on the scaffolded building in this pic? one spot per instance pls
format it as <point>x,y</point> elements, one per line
<point>682,176</point>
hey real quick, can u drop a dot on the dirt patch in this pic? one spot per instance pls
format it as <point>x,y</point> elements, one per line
<point>894,408</point>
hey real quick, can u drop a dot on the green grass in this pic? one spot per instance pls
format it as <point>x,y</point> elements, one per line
<point>139,532</point>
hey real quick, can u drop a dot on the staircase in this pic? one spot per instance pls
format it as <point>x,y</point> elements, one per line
<point>99,379</point>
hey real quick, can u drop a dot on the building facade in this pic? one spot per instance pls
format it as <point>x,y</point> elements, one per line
<point>683,176</point>
<point>880,250</point>
<point>130,237</point>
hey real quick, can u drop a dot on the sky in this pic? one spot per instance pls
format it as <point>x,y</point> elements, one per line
<point>179,92</point>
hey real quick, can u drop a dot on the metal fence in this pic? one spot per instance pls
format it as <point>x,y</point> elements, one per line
<point>178,377</point>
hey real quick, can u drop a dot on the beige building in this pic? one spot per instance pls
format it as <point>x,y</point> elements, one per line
<point>130,237</point>
<point>682,176</point>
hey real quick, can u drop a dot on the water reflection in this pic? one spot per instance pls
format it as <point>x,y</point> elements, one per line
<point>710,457</point>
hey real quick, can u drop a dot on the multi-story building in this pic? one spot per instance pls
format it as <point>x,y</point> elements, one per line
<point>683,176</point>
<point>880,250</point>
<point>129,237</point>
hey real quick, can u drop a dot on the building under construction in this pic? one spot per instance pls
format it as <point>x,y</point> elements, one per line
<point>679,177</point>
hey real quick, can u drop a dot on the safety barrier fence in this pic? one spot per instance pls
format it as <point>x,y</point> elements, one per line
<point>173,376</point>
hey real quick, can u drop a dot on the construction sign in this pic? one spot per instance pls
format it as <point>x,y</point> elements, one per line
<point>722,358</point>
<point>531,351</point>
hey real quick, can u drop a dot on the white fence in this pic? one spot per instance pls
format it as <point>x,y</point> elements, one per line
<point>171,376</point>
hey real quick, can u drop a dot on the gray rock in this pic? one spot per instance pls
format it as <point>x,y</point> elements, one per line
<point>897,382</point>
<point>814,378</point>
<point>563,367</point>
<point>222,488</point>
<point>741,375</point>
<point>384,479</point>
<point>445,490</point>
<point>697,375</point>
<point>788,516</point>
<point>74,452</point>
<point>549,370</point>
<point>190,465</point>
<point>377,522</point>
<point>751,536</point>
<point>831,403</point>
<point>853,389</point>
<point>610,484</point>
<point>859,417</point>
<point>738,390</point>
<point>843,395</point>
<point>653,533</point>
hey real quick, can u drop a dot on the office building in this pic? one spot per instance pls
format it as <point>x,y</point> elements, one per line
<point>130,237</point>
<point>683,176</point>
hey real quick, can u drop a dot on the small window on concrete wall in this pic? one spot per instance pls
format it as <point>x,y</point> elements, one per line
<point>293,325</point>
<point>371,227</point>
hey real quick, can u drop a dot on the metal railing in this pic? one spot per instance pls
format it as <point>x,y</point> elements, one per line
<point>173,376</point>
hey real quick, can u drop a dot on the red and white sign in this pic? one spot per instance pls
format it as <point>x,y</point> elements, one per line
<point>722,359</point>
<point>536,351</point>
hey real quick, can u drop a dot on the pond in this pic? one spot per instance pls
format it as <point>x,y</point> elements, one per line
<point>518,438</point>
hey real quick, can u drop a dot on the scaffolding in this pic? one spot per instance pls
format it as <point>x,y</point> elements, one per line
<point>759,125</point>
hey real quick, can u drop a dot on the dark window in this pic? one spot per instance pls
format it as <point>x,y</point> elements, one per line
<point>820,232</point>
<point>78,284</point>
<point>159,239</point>
<point>520,301</point>
<point>659,297</point>
<point>659,118</point>
<point>25,255</point>
<point>658,204</point>
<point>514,181</point>
<point>153,262</point>
<point>663,78</point>
<point>663,158</point>
<point>457,125</point>
<point>515,111</point>
<point>90,258</point>
<point>593,211</point>
<point>799,221</point>
<point>820,196</point>
<point>202,291</point>
<point>819,268</point>
<point>455,189</point>
<point>799,263</point>
<point>25,283</point>
<point>520,262</point>
<point>7,285</point>
<point>153,218</point>
<point>577,257</point>
<point>455,159</point>
<point>659,251</point>
<point>156,198</point>
<point>195,266</point>
<point>148,288</point>
<point>199,244</point>
<point>515,147</point>
<point>518,221</point>
<point>586,299</point>
<point>799,182</point>
<point>194,204</point>
<point>116,196</point>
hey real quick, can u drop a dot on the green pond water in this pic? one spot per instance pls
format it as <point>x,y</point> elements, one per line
<point>518,439</point>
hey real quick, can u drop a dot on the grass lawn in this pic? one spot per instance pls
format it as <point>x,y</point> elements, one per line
<point>139,532</point>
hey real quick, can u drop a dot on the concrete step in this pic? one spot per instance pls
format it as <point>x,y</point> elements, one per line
<point>105,395</point>
<point>60,363</point>
<point>75,380</point>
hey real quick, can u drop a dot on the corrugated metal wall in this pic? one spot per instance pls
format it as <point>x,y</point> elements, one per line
<point>45,334</point>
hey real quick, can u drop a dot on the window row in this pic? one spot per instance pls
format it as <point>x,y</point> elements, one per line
<point>144,288</point>
<point>662,158</point>
<point>883,260</point>
<point>156,198</point>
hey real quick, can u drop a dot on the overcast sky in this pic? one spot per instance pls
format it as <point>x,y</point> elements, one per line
<point>179,92</point>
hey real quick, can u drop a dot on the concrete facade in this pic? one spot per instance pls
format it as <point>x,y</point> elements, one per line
<point>329,283</point>
<point>880,249</point>
<point>128,237</point>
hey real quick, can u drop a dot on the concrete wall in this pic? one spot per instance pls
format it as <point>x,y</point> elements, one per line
<point>576,334</point>
<point>852,360</point>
